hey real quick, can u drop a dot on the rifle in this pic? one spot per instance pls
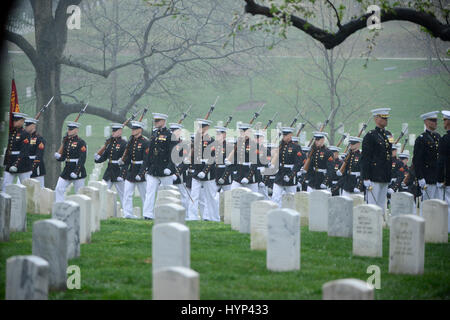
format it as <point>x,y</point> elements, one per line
<point>228,121</point>
<point>401,135</point>
<point>313,149</point>
<point>211,109</point>
<point>103,148</point>
<point>60,150</point>
<point>404,145</point>
<point>341,140</point>
<point>183,116</point>
<point>322,127</point>
<point>300,129</point>
<point>270,121</point>
<point>295,120</point>
<point>256,115</point>
<point>131,140</point>
<point>344,163</point>
<point>38,115</point>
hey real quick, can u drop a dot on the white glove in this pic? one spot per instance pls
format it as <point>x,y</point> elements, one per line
<point>120,162</point>
<point>390,191</point>
<point>262,185</point>
<point>73,175</point>
<point>138,178</point>
<point>174,177</point>
<point>367,183</point>
<point>220,181</point>
<point>356,190</point>
<point>13,169</point>
<point>167,172</point>
<point>299,173</point>
<point>119,179</point>
<point>339,173</point>
<point>201,175</point>
<point>286,179</point>
<point>227,162</point>
<point>303,171</point>
<point>57,155</point>
<point>322,186</point>
<point>422,182</point>
<point>439,184</point>
<point>96,156</point>
<point>244,181</point>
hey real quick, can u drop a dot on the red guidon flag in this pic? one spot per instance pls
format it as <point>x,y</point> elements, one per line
<point>14,103</point>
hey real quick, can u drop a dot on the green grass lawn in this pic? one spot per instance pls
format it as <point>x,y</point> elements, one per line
<point>117,264</point>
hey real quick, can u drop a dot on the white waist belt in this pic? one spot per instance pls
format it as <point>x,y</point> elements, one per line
<point>221,166</point>
<point>137,162</point>
<point>321,170</point>
<point>357,174</point>
<point>32,157</point>
<point>72,160</point>
<point>114,161</point>
<point>15,152</point>
<point>289,166</point>
<point>260,168</point>
<point>248,164</point>
<point>334,182</point>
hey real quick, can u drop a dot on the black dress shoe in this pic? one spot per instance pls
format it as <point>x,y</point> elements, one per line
<point>147,218</point>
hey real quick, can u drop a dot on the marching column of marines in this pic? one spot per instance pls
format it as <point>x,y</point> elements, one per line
<point>203,166</point>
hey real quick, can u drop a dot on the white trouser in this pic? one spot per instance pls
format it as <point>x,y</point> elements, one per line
<point>211,205</point>
<point>128,191</point>
<point>41,181</point>
<point>152,186</point>
<point>8,178</point>
<point>431,192</point>
<point>251,186</point>
<point>185,199</point>
<point>264,192</point>
<point>378,194</point>
<point>61,187</point>
<point>278,192</point>
<point>224,187</point>
<point>348,194</point>
<point>119,185</point>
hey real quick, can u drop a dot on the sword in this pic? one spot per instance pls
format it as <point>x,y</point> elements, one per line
<point>425,189</point>
<point>371,192</point>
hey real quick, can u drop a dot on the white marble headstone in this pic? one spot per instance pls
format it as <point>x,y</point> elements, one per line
<point>69,212</point>
<point>368,231</point>
<point>402,203</point>
<point>407,245</point>
<point>288,201</point>
<point>94,194</point>
<point>33,195</point>
<point>5,216</point>
<point>85,216</point>
<point>111,204</point>
<point>168,200</point>
<point>236,195</point>
<point>168,193</point>
<point>102,188</point>
<point>47,199</point>
<point>258,223</point>
<point>170,212</point>
<point>27,278</point>
<point>283,240</point>
<point>318,210</point>
<point>435,213</point>
<point>18,193</point>
<point>347,289</point>
<point>302,206</point>
<point>227,206</point>
<point>50,243</point>
<point>170,246</point>
<point>340,216</point>
<point>358,199</point>
<point>176,283</point>
<point>244,214</point>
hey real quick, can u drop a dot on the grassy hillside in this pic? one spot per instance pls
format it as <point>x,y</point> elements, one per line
<point>118,265</point>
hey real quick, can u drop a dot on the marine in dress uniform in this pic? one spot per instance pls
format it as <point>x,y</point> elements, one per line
<point>304,177</point>
<point>288,164</point>
<point>16,161</point>
<point>115,147</point>
<point>351,177</point>
<point>398,171</point>
<point>224,169</point>
<point>322,162</point>
<point>443,166</point>
<point>262,162</point>
<point>74,154</point>
<point>158,162</point>
<point>246,155</point>
<point>182,150</point>
<point>204,179</point>
<point>133,161</point>
<point>37,147</point>
<point>425,157</point>
<point>376,162</point>
<point>332,179</point>
<point>302,155</point>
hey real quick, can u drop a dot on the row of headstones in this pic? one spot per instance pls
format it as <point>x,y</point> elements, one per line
<point>95,175</point>
<point>278,230</point>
